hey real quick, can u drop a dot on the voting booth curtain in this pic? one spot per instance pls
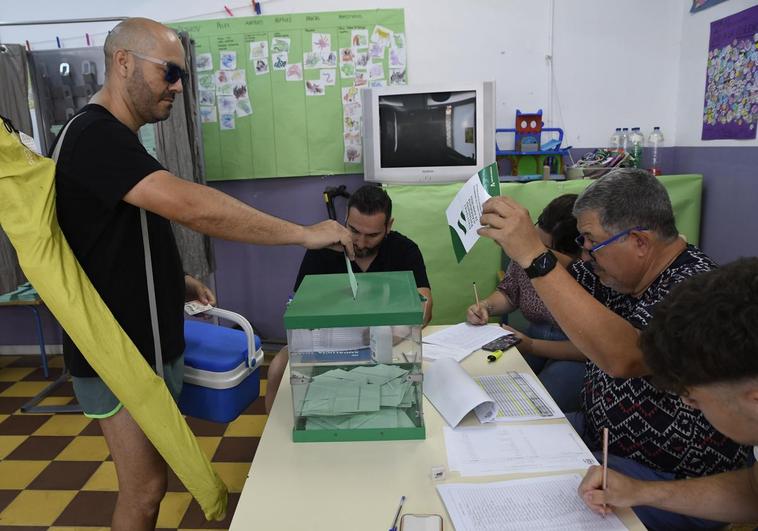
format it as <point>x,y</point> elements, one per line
<point>14,104</point>
<point>178,145</point>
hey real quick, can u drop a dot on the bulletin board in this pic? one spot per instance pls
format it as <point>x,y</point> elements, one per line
<point>279,94</point>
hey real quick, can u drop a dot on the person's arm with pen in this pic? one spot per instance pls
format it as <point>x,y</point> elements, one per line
<point>495,304</point>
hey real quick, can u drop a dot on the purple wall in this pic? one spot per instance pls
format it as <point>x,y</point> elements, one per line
<point>256,281</point>
<point>729,220</point>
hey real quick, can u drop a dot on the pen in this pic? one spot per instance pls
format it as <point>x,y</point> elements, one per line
<point>605,461</point>
<point>476,293</point>
<point>495,356</point>
<point>397,514</point>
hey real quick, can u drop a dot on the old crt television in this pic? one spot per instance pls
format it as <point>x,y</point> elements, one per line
<point>428,134</point>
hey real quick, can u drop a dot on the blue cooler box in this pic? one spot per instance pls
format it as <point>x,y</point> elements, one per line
<point>221,378</point>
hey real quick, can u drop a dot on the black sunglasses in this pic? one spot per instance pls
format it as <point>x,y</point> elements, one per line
<point>174,72</point>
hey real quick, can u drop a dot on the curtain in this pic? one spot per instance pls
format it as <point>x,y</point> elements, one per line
<point>14,105</point>
<point>179,149</point>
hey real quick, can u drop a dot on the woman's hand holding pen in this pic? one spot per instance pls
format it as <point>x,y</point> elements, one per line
<point>478,313</point>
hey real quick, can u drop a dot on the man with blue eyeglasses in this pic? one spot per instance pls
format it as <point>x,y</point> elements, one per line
<point>104,176</point>
<point>632,257</point>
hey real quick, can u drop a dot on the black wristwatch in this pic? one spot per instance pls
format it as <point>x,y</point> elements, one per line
<point>542,265</point>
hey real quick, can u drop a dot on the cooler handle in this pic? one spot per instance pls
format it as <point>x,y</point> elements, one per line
<point>252,353</point>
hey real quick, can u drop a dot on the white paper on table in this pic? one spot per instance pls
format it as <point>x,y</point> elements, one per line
<point>465,210</point>
<point>455,394</point>
<point>541,503</point>
<point>466,336</point>
<point>509,449</point>
<point>433,352</point>
<point>519,397</point>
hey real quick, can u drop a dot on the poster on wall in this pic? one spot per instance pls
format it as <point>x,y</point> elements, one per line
<point>730,109</point>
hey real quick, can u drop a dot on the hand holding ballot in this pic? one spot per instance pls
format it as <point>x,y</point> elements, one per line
<point>510,225</point>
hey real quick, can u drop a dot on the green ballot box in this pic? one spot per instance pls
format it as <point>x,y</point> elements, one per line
<point>355,362</point>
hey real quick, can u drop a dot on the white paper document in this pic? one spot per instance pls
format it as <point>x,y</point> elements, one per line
<point>466,336</point>
<point>537,503</point>
<point>510,449</point>
<point>519,397</point>
<point>455,394</point>
<point>465,210</point>
<point>434,352</point>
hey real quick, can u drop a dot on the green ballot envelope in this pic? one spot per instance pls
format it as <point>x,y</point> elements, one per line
<point>355,362</point>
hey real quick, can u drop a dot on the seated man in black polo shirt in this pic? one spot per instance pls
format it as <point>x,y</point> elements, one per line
<point>377,248</point>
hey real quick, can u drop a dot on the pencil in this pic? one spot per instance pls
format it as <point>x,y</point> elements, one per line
<point>476,293</point>
<point>605,461</point>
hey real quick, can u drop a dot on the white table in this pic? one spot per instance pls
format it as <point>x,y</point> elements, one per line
<point>356,485</point>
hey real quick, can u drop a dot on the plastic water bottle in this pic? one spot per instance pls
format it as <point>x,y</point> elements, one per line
<point>655,142</point>
<point>624,139</point>
<point>615,143</point>
<point>636,144</point>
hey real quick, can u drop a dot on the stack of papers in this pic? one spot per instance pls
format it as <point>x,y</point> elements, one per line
<point>364,397</point>
<point>457,342</point>
<point>511,449</point>
<point>537,503</point>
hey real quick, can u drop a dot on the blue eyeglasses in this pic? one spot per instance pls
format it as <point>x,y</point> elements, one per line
<point>173,72</point>
<point>581,240</point>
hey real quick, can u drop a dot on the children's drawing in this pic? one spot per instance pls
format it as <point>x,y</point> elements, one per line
<point>376,50</point>
<point>261,66</point>
<point>280,44</point>
<point>228,60</point>
<point>377,83</point>
<point>376,71</point>
<point>244,107</point>
<point>328,59</point>
<point>294,72</point>
<point>204,62</point>
<point>381,35</point>
<point>397,57</point>
<point>237,76</point>
<point>353,153</point>
<point>347,70</point>
<point>207,97</point>
<point>346,55</point>
<point>258,50</point>
<point>359,37</point>
<point>314,87</point>
<point>361,78</point>
<point>321,42</point>
<point>208,114</point>
<point>399,40</point>
<point>240,91</point>
<point>206,81</point>
<point>226,104</point>
<point>349,95</point>
<point>328,76</point>
<point>227,121</point>
<point>398,76</point>
<point>279,61</point>
<point>311,60</point>
<point>361,57</point>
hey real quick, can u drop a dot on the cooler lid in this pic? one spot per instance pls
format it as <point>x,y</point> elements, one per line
<point>214,348</point>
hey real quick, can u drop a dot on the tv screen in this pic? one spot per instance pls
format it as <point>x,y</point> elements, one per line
<point>428,129</point>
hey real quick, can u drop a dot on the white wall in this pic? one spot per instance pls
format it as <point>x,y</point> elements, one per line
<point>614,60</point>
<point>696,28</point>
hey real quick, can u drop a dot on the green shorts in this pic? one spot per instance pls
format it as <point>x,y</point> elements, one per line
<point>99,402</point>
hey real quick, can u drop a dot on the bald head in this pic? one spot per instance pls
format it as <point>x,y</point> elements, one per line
<point>139,34</point>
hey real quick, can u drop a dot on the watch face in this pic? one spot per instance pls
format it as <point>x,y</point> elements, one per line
<point>542,265</point>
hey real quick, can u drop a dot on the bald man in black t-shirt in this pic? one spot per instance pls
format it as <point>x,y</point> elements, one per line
<point>104,176</point>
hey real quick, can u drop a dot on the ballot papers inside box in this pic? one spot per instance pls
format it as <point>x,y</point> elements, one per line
<point>355,362</point>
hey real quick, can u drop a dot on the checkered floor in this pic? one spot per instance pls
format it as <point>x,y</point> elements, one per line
<point>56,473</point>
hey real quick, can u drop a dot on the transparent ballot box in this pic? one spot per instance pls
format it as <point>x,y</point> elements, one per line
<point>355,363</point>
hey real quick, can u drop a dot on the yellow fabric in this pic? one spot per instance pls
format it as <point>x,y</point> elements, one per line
<point>27,215</point>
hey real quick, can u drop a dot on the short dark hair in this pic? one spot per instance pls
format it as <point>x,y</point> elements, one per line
<point>559,222</point>
<point>371,199</point>
<point>706,330</point>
